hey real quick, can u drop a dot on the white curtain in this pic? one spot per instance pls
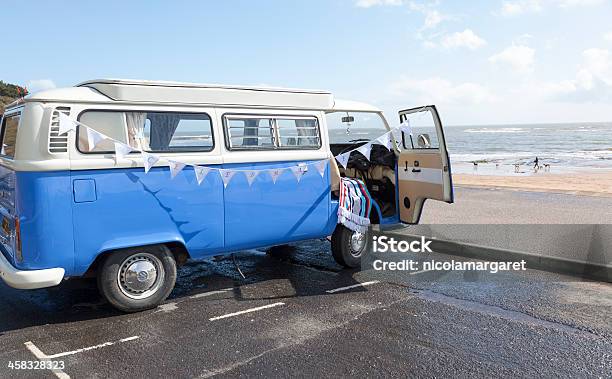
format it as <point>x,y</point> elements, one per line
<point>135,126</point>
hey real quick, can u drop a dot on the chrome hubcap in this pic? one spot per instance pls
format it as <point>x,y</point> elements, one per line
<point>358,242</point>
<point>140,276</point>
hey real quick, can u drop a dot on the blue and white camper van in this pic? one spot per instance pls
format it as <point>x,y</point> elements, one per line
<point>71,210</point>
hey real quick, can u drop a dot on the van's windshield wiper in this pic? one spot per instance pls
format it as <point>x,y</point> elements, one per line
<point>359,140</point>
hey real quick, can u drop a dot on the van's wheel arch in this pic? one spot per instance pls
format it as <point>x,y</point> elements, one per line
<point>138,278</point>
<point>348,247</point>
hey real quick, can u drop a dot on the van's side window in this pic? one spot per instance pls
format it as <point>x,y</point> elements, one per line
<point>9,135</point>
<point>150,131</point>
<point>246,132</point>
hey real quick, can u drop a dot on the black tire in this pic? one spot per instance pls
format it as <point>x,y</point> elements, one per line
<point>117,288</point>
<point>341,247</point>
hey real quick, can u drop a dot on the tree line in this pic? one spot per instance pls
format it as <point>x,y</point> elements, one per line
<point>10,92</point>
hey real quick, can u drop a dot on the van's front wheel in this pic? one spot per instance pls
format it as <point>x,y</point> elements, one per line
<point>137,279</point>
<point>348,246</point>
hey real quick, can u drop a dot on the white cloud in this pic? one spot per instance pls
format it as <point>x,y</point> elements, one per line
<point>517,7</point>
<point>372,3</point>
<point>38,85</point>
<point>519,57</point>
<point>593,81</point>
<point>440,91</point>
<point>466,38</point>
<point>608,36</point>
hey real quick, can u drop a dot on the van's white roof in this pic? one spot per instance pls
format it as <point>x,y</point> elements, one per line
<point>164,92</point>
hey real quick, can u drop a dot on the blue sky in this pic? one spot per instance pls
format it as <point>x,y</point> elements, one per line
<point>481,62</point>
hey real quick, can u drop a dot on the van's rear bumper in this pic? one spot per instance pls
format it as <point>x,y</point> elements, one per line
<point>29,279</point>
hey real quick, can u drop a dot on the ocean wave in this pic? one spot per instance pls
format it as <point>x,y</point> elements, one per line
<point>495,130</point>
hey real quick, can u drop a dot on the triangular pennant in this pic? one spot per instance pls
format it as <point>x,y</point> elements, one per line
<point>121,150</point>
<point>321,166</point>
<point>299,171</point>
<point>149,160</point>
<point>275,173</point>
<point>175,168</point>
<point>94,138</point>
<point>384,140</point>
<point>343,159</point>
<point>226,176</point>
<point>405,127</point>
<point>366,150</point>
<point>200,173</point>
<point>251,175</point>
<point>65,123</point>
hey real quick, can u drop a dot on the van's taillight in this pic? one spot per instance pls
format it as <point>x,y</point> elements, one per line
<point>18,254</point>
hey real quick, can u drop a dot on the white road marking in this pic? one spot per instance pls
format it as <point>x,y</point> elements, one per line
<point>246,311</point>
<point>210,293</point>
<point>43,357</point>
<point>419,272</point>
<point>353,286</point>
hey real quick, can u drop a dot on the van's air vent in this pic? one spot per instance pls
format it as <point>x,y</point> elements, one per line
<point>57,143</point>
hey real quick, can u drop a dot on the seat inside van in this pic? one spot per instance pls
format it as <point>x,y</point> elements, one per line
<point>378,174</point>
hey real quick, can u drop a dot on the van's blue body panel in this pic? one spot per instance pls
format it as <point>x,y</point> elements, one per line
<point>283,212</point>
<point>44,205</point>
<point>68,218</point>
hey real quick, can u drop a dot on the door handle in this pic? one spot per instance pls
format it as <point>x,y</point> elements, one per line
<point>416,170</point>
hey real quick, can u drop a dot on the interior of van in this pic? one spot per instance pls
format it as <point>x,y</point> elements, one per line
<point>351,130</point>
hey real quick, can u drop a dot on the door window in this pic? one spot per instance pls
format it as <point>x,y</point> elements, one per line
<point>424,131</point>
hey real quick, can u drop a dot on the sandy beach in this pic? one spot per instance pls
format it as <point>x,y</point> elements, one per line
<point>588,184</point>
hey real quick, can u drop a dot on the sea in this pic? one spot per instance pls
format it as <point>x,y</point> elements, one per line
<point>577,147</point>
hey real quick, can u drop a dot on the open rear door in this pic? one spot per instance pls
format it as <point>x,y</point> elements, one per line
<point>424,170</point>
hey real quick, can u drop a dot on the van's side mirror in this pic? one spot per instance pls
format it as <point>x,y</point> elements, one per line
<point>424,141</point>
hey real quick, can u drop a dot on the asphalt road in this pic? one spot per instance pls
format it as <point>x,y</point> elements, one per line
<point>300,322</point>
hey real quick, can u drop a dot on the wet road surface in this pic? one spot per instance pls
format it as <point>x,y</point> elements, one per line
<point>299,314</point>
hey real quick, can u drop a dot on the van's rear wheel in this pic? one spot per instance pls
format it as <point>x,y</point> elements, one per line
<point>137,279</point>
<point>348,246</point>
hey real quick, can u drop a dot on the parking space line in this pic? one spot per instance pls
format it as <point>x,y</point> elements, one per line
<point>44,358</point>
<point>58,372</point>
<point>419,272</point>
<point>246,311</point>
<point>353,286</point>
<point>93,347</point>
<point>210,293</point>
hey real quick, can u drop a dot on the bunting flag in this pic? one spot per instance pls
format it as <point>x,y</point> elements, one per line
<point>65,124</point>
<point>251,175</point>
<point>321,166</point>
<point>94,138</point>
<point>299,171</point>
<point>121,150</point>
<point>175,168</point>
<point>275,173</point>
<point>149,160</point>
<point>226,176</point>
<point>384,140</point>
<point>405,127</point>
<point>343,159</point>
<point>366,150</point>
<point>200,173</point>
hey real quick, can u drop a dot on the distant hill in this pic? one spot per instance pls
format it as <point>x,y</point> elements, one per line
<point>10,92</point>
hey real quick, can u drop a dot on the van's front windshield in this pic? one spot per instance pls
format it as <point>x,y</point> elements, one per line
<point>354,127</point>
